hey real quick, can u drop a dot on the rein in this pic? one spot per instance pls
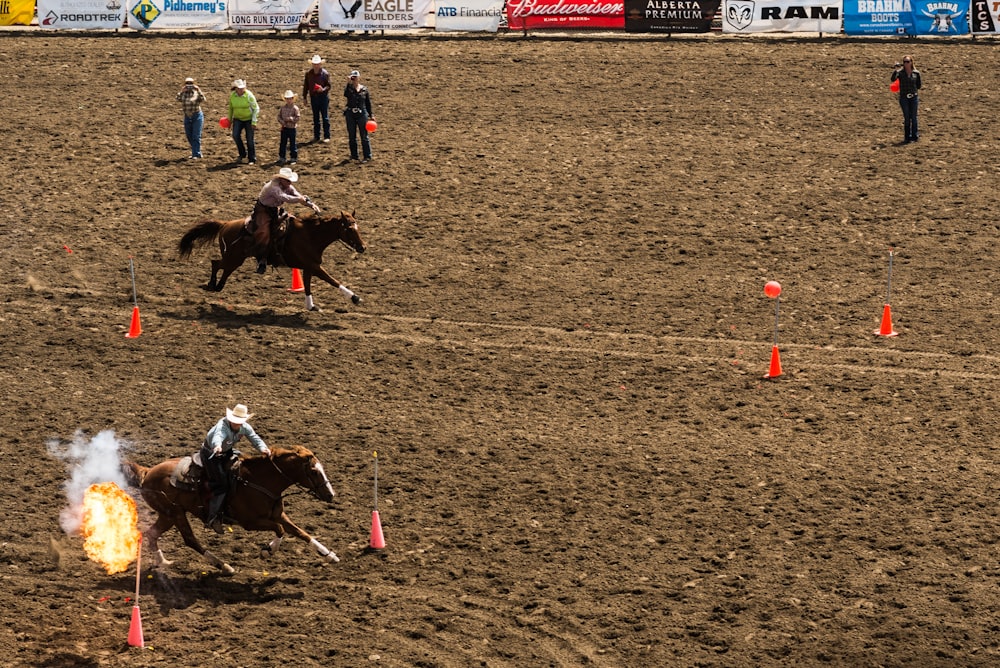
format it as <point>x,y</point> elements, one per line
<point>272,495</point>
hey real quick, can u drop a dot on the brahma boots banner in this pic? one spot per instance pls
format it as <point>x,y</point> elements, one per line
<point>268,14</point>
<point>81,14</point>
<point>177,15</point>
<point>748,16</point>
<point>16,12</point>
<point>375,14</point>
<point>468,15</point>
<point>670,16</point>
<point>563,15</point>
<point>878,17</point>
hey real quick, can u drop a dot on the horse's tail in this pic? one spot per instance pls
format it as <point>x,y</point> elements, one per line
<point>134,473</point>
<point>198,234</point>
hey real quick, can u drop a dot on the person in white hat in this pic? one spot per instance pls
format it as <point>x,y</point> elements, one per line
<point>266,212</point>
<point>191,99</point>
<point>243,110</point>
<point>316,94</point>
<point>217,456</point>
<point>288,117</point>
<point>357,113</point>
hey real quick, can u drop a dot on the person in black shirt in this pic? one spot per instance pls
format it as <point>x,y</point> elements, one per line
<point>316,94</point>
<point>357,113</point>
<point>909,84</point>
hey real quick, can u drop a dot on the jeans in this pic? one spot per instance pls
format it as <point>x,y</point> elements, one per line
<point>356,125</point>
<point>321,111</point>
<point>250,151</point>
<point>288,139</point>
<point>909,107</point>
<point>192,129</point>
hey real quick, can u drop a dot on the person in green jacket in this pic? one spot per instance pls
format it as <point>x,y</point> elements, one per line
<point>243,110</point>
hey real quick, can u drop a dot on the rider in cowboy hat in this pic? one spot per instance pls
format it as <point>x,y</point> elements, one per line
<point>217,455</point>
<point>279,190</point>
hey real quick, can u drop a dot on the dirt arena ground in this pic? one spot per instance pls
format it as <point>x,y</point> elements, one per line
<point>559,357</point>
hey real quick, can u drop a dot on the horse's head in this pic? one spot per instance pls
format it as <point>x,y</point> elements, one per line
<point>347,227</point>
<point>301,466</point>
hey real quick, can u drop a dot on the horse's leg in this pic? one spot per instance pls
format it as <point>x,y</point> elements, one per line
<point>318,271</point>
<point>212,283</point>
<point>191,541</point>
<point>162,525</point>
<point>280,527</point>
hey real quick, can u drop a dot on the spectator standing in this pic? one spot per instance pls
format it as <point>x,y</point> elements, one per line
<point>191,99</point>
<point>288,117</point>
<point>316,94</point>
<point>357,112</point>
<point>909,85</point>
<point>243,111</point>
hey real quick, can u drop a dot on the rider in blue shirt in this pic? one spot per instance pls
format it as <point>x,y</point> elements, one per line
<point>217,456</point>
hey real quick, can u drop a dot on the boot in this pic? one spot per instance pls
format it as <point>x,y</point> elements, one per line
<point>215,507</point>
<point>261,265</point>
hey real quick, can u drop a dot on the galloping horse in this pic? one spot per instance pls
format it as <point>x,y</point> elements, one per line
<point>302,247</point>
<point>255,502</point>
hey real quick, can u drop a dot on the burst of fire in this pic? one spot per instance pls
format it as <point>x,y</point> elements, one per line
<point>110,531</point>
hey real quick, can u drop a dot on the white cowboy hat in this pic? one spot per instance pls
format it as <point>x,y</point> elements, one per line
<point>316,60</point>
<point>355,73</point>
<point>238,415</point>
<point>289,94</point>
<point>286,173</point>
<point>239,83</point>
<point>189,80</point>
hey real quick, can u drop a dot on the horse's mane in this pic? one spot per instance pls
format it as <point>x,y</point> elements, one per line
<point>297,450</point>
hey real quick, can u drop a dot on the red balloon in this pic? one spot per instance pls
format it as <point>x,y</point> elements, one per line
<point>371,126</point>
<point>224,123</point>
<point>894,86</point>
<point>772,289</point>
<point>317,87</point>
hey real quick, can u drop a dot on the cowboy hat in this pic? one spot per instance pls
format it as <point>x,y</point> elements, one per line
<point>239,83</point>
<point>355,73</point>
<point>289,94</point>
<point>316,60</point>
<point>238,415</point>
<point>287,174</point>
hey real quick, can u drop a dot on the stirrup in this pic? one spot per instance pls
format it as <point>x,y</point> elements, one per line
<point>216,525</point>
<point>261,266</point>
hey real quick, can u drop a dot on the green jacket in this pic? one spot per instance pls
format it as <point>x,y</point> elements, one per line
<point>243,107</point>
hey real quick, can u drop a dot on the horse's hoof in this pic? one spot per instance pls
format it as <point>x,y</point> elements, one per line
<point>227,569</point>
<point>316,308</point>
<point>333,557</point>
<point>355,300</point>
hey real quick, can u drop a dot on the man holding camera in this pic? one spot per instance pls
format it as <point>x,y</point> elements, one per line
<point>909,84</point>
<point>191,98</point>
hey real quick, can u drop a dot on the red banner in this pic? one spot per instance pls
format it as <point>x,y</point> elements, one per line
<point>565,14</point>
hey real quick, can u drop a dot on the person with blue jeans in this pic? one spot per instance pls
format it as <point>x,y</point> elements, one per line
<point>316,94</point>
<point>357,113</point>
<point>191,98</point>
<point>243,111</point>
<point>909,84</point>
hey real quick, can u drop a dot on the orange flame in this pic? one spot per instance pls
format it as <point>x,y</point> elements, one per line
<point>111,535</point>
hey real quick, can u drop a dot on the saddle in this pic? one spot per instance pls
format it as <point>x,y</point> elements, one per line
<point>278,228</point>
<point>188,474</point>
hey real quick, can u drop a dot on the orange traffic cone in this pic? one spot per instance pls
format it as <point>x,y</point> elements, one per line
<point>377,541</point>
<point>135,329</point>
<point>297,282</point>
<point>775,370</point>
<point>886,328</point>
<point>135,629</point>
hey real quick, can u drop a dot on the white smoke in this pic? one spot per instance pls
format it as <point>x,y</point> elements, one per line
<point>88,462</point>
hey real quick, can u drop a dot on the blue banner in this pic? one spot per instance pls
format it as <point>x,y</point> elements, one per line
<point>906,17</point>
<point>941,18</point>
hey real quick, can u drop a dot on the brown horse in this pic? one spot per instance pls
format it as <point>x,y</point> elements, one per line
<point>255,502</point>
<point>301,248</point>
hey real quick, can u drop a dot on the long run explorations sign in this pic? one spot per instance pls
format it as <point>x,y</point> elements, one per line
<point>670,16</point>
<point>565,14</point>
<point>268,14</point>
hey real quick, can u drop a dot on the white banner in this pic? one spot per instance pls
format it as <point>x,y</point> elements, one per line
<point>375,14</point>
<point>468,15</point>
<point>177,15</point>
<point>747,16</point>
<point>268,14</point>
<point>81,14</point>
<point>984,16</point>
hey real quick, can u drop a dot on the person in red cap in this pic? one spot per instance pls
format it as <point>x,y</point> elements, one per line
<point>217,456</point>
<point>316,94</point>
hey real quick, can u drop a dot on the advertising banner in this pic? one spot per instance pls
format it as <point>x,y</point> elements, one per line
<point>750,16</point>
<point>177,15</point>
<point>375,14</point>
<point>878,17</point>
<point>670,16</point>
<point>944,19</point>
<point>985,16</point>
<point>81,14</point>
<point>268,14</point>
<point>565,14</point>
<point>468,15</point>
<point>16,12</point>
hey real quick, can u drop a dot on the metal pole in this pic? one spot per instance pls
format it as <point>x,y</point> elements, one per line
<point>777,303</point>
<point>376,479</point>
<point>131,269</point>
<point>888,287</point>
<point>138,569</point>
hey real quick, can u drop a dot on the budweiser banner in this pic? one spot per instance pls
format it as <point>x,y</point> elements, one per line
<point>468,15</point>
<point>748,16</point>
<point>985,16</point>
<point>565,14</point>
<point>375,14</point>
<point>16,12</point>
<point>268,14</point>
<point>81,14</point>
<point>670,15</point>
<point>177,15</point>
